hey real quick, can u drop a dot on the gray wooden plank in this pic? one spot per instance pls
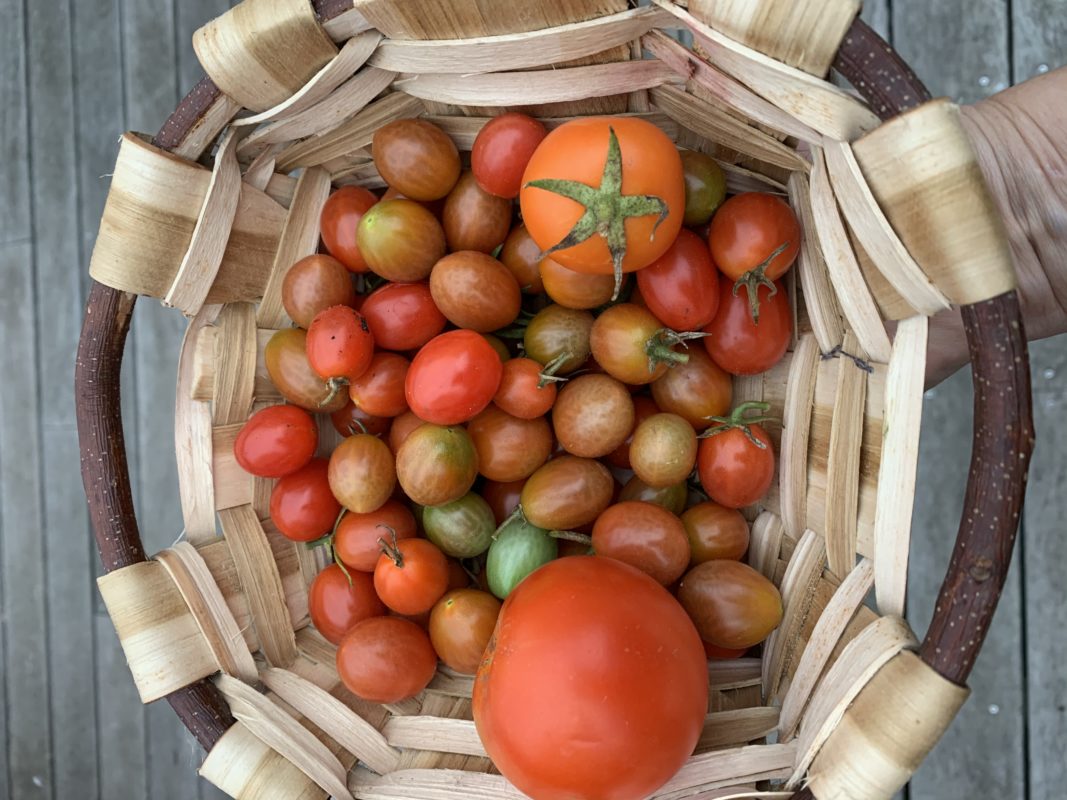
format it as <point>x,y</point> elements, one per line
<point>123,768</point>
<point>876,14</point>
<point>1039,37</point>
<point>68,563</point>
<point>960,48</point>
<point>14,211</point>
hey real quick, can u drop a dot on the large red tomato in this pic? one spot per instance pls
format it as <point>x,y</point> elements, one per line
<point>594,685</point>
<point>626,178</point>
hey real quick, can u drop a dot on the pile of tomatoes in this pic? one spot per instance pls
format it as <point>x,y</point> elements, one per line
<point>511,393</point>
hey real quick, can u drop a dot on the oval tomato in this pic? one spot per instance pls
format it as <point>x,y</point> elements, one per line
<point>339,344</point>
<point>287,365</point>
<point>593,415</point>
<point>437,465</point>
<point>453,378</point>
<point>380,390</point>
<point>509,448</point>
<point>362,475</point>
<point>336,601</point>
<point>276,441</point>
<point>411,575</point>
<point>633,346</point>
<point>463,528</point>
<point>695,390</point>
<point>645,536</point>
<point>461,625</point>
<point>521,392</point>
<point>559,337</point>
<point>402,428</point>
<point>731,604</point>
<point>736,462</point>
<point>503,498</point>
<point>302,506</point>
<point>715,532</point>
<point>386,659</point>
<point>343,210</point>
<point>355,541</point>
<point>664,450</point>
<point>473,218</point>
<point>402,316</point>
<point>313,284</point>
<point>475,291</point>
<point>400,240</point>
<point>501,151</point>
<point>416,158</point>
<point>705,187</point>
<point>518,549</point>
<point>575,289</point>
<point>521,255</point>
<point>672,498</point>
<point>744,347</point>
<point>567,493</point>
<point>681,287</point>
<point>564,719</point>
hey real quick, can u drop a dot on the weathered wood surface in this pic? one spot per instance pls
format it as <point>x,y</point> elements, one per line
<point>72,77</point>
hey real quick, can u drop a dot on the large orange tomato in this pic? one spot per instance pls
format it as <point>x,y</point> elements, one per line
<point>608,192</point>
<point>594,685</point>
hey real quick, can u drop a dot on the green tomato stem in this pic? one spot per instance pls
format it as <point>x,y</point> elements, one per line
<point>335,385</point>
<point>756,277</point>
<point>572,536</point>
<point>392,551</point>
<point>739,420</point>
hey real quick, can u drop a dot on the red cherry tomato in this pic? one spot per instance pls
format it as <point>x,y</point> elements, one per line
<point>386,659</point>
<point>736,465</point>
<point>380,390</point>
<point>681,287</point>
<point>502,150</point>
<point>339,344</point>
<point>356,540</point>
<point>741,346</point>
<point>453,378</point>
<point>411,575</point>
<point>276,441</point>
<point>340,219</point>
<point>335,604</point>
<point>402,316</point>
<point>520,393</point>
<point>301,504</point>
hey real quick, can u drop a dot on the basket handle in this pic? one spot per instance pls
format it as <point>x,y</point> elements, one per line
<point>1003,436</point>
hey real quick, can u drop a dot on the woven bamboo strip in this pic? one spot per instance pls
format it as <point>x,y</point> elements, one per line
<point>858,663</point>
<point>202,259</point>
<point>738,726</point>
<point>444,708</point>
<point>818,104</point>
<point>346,25</point>
<point>260,172</point>
<point>873,230</point>
<point>262,583</point>
<point>843,462</point>
<point>796,421</point>
<point>824,638</point>
<point>194,580</point>
<point>353,55</point>
<point>235,363</point>
<point>900,456</point>
<point>335,718</point>
<point>289,556</point>
<point>765,543</point>
<point>243,766</point>
<point>515,51</point>
<point>431,784</point>
<point>891,305</point>
<point>205,131</point>
<point>282,733</point>
<point>351,135</point>
<point>204,368</point>
<point>798,585</point>
<point>735,673</point>
<point>300,237</point>
<point>281,188</point>
<point>723,768</point>
<point>856,301</point>
<point>740,179</point>
<point>434,733</point>
<point>538,88</point>
<point>820,300</point>
<point>731,93</point>
<point>719,125</point>
<point>346,101</point>
<point>451,683</point>
<point>193,448</point>
<point>232,486</point>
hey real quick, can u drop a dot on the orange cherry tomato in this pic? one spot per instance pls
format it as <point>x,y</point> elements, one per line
<point>736,465</point>
<point>356,539</point>
<point>411,575</point>
<point>645,536</point>
<point>386,659</point>
<point>362,475</point>
<point>341,214</point>
<point>573,289</point>
<point>461,625</point>
<point>520,392</point>
<point>509,448</point>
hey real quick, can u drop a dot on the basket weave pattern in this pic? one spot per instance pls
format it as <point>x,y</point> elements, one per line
<point>897,226</point>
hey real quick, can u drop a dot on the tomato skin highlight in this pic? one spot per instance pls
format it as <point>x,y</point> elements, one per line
<point>386,659</point>
<point>681,287</point>
<point>501,151</point>
<point>335,605</point>
<point>276,441</point>
<point>453,378</point>
<point>402,316</point>
<point>741,346</point>
<point>341,214</point>
<point>302,506</point>
<point>564,720</point>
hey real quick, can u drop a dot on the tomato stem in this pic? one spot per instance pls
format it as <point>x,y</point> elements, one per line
<point>741,422</point>
<point>572,536</point>
<point>660,347</point>
<point>517,514</point>
<point>548,374</point>
<point>393,551</point>
<point>354,424</point>
<point>335,385</point>
<point>756,277</point>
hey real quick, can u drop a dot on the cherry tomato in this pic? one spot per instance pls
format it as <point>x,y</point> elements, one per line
<point>644,407</point>
<point>575,289</point>
<point>287,365</point>
<point>741,346</point>
<point>339,344</point>
<point>633,346</point>
<point>461,625</point>
<point>435,207</point>
<point>362,475</point>
<point>498,346</point>
<point>313,284</point>
<point>352,419</point>
<point>566,493</point>
<point>664,450</point>
<point>593,415</point>
<point>475,291</point>
<point>695,390</point>
<point>473,219</point>
<point>402,428</point>
<point>380,390</point>
<point>501,151</point>
<point>437,465</point>
<point>509,448</point>
<point>336,605</point>
<point>705,187</point>
<point>402,316</point>
<point>559,337</point>
<point>605,158</point>
<point>463,528</point>
<point>416,157</point>
<point>681,287</point>
<point>754,238</point>
<point>386,659</point>
<point>400,240</point>
<point>276,441</point>
<point>518,549</point>
<point>606,699</point>
<point>521,255</point>
<point>645,536</point>
<point>356,539</point>
<point>503,498</point>
<point>341,214</point>
<point>731,604</point>
<point>453,378</point>
<point>715,532</point>
<point>736,464</point>
<point>520,393</point>
<point>302,506</point>
<point>411,575</point>
<point>672,498</point>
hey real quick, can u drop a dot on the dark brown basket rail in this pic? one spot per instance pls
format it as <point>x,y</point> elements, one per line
<point>1003,435</point>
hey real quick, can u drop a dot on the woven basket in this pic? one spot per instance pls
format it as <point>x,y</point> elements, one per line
<point>897,225</point>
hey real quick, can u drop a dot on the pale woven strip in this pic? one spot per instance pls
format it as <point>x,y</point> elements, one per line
<point>235,364</point>
<point>336,719</point>
<point>820,299</point>
<point>734,673</point>
<point>208,607</point>
<point>796,426</point>
<point>737,726</point>
<point>854,668</point>
<point>434,733</point>
<point>722,768</point>
<point>243,766</point>
<point>765,544</point>
<point>346,25</point>
<point>285,735</point>
<point>899,464</point>
<point>824,638</point>
<point>232,486</point>
<point>887,732</point>
<point>203,382</point>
